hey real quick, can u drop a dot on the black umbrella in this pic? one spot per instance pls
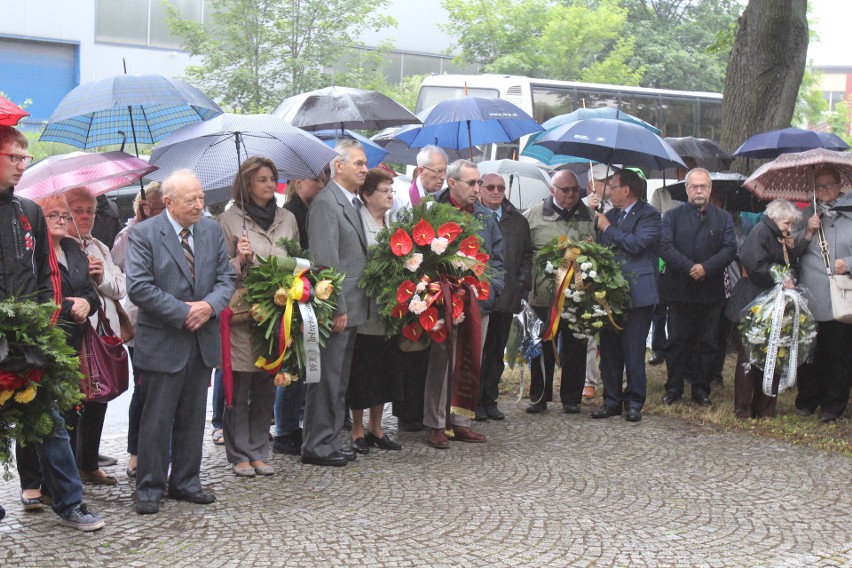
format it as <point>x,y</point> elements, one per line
<point>343,107</point>
<point>706,153</point>
<point>730,187</point>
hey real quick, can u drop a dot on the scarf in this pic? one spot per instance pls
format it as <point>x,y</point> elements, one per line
<point>263,216</point>
<point>825,208</point>
<point>787,243</point>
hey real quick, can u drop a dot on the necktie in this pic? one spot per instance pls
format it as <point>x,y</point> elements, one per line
<point>356,203</point>
<point>187,250</point>
<point>621,217</point>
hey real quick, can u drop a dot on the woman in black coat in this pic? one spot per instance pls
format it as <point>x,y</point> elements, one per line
<point>768,244</point>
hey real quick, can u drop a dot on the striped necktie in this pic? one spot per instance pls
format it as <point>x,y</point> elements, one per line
<point>187,250</point>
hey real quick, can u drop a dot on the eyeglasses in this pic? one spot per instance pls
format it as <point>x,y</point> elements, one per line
<point>57,217</point>
<point>569,189</point>
<point>825,186</point>
<point>470,182</point>
<point>611,187</point>
<point>386,191</point>
<point>699,186</point>
<point>440,173</point>
<point>80,212</point>
<point>492,187</point>
<point>18,158</point>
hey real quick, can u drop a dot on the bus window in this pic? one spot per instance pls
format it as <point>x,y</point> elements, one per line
<point>550,101</point>
<point>432,95</point>
<point>595,99</point>
<point>678,117</point>
<point>644,107</point>
<point>711,119</point>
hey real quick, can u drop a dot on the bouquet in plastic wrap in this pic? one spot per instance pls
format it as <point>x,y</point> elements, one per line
<point>524,342</point>
<point>778,331</point>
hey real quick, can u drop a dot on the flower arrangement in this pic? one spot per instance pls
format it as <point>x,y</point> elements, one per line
<point>422,268</point>
<point>778,331</point>
<point>592,290</point>
<point>284,300</point>
<point>37,370</point>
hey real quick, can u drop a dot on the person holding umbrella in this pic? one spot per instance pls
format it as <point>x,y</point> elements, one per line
<point>252,226</point>
<point>824,383</point>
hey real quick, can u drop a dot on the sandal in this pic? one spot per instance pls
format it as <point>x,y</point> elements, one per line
<point>218,437</point>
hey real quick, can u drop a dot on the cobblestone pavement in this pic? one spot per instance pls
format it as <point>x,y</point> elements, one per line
<point>546,490</point>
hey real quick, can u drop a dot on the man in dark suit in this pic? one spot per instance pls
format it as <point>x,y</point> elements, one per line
<point>697,243</point>
<point>633,228</point>
<point>336,237</point>
<point>179,275</point>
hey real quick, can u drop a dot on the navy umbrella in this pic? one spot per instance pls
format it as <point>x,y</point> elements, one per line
<point>610,141</point>
<point>772,144</point>
<point>343,107</point>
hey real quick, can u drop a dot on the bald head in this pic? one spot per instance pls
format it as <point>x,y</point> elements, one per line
<point>493,191</point>
<point>565,189</point>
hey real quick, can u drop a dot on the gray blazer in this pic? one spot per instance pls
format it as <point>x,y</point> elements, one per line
<point>159,282</point>
<point>336,238</point>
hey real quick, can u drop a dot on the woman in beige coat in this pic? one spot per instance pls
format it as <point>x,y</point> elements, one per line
<point>246,424</point>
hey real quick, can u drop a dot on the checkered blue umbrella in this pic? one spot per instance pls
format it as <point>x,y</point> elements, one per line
<point>139,108</point>
<point>214,149</point>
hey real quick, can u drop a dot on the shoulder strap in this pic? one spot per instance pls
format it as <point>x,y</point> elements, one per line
<point>823,249</point>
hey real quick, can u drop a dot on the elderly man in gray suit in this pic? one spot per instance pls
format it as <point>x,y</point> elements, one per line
<point>179,275</point>
<point>337,239</point>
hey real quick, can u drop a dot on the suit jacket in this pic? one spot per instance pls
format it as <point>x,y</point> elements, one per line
<point>159,282</point>
<point>336,238</point>
<point>635,243</point>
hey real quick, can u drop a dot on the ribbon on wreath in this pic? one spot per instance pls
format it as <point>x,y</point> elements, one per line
<point>774,342</point>
<point>302,292</point>
<point>563,279</point>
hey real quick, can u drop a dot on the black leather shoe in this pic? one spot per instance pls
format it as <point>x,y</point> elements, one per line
<point>670,398</point>
<point>633,415</point>
<point>494,413</point>
<point>360,446</point>
<point>827,417</point>
<point>480,415</point>
<point>702,399</point>
<point>804,411</point>
<point>657,358</point>
<point>537,407</point>
<point>606,412</point>
<point>384,442</point>
<point>147,507</point>
<point>347,422</point>
<point>348,454</point>
<point>404,426</point>
<point>335,459</point>
<point>571,408</point>
<point>200,497</point>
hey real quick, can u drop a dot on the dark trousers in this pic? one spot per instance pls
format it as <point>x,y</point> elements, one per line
<point>499,325</point>
<point>659,340</point>
<point>626,349</point>
<point>572,360</point>
<point>722,341</point>
<point>86,428</point>
<point>411,385</point>
<point>825,382</point>
<point>749,399</point>
<point>134,411</point>
<point>693,332</point>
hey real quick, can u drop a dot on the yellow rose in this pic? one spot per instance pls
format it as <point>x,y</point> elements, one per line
<point>5,395</point>
<point>26,395</point>
<point>257,313</point>
<point>280,297</point>
<point>323,289</point>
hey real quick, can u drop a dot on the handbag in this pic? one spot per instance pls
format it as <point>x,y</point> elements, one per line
<point>839,286</point>
<point>103,362</point>
<point>240,310</point>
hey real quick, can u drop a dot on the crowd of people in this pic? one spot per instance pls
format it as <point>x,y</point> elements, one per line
<point>172,271</point>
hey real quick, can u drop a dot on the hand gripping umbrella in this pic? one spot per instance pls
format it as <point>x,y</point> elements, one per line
<point>342,107</point>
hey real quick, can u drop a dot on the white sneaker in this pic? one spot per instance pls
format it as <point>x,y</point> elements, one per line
<point>82,519</point>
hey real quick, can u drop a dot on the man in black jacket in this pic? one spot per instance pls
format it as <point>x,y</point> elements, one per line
<point>697,242</point>
<point>517,261</point>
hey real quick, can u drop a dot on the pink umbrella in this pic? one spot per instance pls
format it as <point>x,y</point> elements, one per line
<point>791,176</point>
<point>99,173</point>
<point>10,113</point>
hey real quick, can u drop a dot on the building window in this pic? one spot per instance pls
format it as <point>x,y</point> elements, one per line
<point>142,22</point>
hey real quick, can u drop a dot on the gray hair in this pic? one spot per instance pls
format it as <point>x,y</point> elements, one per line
<point>781,210</point>
<point>81,193</point>
<point>696,171</point>
<point>454,169</point>
<point>170,184</point>
<point>424,156</point>
<point>343,148</point>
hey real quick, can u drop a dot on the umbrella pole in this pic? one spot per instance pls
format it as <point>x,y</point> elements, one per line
<point>136,147</point>
<point>469,141</point>
<point>240,181</point>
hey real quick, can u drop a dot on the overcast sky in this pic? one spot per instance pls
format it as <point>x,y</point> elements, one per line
<point>831,19</point>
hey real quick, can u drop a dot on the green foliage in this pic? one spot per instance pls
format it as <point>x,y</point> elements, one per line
<point>294,249</point>
<point>810,104</point>
<point>255,53</point>
<point>838,120</point>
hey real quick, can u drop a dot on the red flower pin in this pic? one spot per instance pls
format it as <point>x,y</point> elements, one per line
<point>423,233</point>
<point>400,243</point>
<point>405,291</point>
<point>449,231</point>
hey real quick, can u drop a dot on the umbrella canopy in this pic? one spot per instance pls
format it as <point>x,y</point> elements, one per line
<point>791,176</point>
<point>788,140</point>
<point>375,153</point>
<point>706,153</point>
<point>99,173</point>
<point>10,113</point>
<point>214,149</point>
<point>343,107</point>
<point>469,121</point>
<point>141,108</point>
<point>609,141</point>
<point>400,153</point>
<point>730,187</point>
<point>528,183</point>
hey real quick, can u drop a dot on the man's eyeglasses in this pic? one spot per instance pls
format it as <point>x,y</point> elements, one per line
<point>440,173</point>
<point>18,158</point>
<point>570,189</point>
<point>56,217</point>
<point>79,212</point>
<point>699,186</point>
<point>470,182</point>
<point>825,186</point>
<point>492,187</point>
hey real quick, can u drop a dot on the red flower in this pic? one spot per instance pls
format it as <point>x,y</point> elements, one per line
<point>400,243</point>
<point>482,257</point>
<point>405,291</point>
<point>458,306</point>
<point>484,290</point>
<point>469,246</point>
<point>11,381</point>
<point>449,231</point>
<point>439,335</point>
<point>423,233</point>
<point>35,375</point>
<point>478,268</point>
<point>429,318</point>
<point>412,331</point>
<point>399,310</point>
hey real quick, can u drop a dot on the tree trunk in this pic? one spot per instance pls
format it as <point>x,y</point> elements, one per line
<point>764,70</point>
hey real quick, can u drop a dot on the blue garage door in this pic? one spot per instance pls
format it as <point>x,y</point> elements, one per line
<point>41,71</point>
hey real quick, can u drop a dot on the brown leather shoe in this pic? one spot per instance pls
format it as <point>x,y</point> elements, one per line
<point>437,439</point>
<point>589,392</point>
<point>465,434</point>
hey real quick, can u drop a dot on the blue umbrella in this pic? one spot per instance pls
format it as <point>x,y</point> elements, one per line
<point>469,121</point>
<point>400,153</point>
<point>375,153</point>
<point>609,141</point>
<point>146,107</point>
<point>788,140</point>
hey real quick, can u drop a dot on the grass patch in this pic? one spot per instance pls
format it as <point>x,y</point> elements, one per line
<point>787,426</point>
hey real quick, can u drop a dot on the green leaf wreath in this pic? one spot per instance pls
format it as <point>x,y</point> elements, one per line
<point>37,370</point>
